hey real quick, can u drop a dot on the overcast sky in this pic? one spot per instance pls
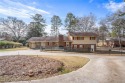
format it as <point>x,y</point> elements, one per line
<point>23,9</point>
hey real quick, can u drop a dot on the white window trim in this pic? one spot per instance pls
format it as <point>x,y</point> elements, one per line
<point>81,46</point>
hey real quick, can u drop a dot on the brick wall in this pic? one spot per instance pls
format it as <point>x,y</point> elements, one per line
<point>61,40</point>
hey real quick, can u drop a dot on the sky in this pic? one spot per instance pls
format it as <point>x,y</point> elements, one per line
<point>23,9</point>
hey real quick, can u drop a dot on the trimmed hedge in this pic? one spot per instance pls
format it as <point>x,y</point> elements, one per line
<point>9,44</point>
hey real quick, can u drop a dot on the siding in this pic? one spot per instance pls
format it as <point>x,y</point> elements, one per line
<point>85,41</point>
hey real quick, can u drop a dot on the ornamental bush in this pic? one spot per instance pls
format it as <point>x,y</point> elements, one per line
<point>9,44</point>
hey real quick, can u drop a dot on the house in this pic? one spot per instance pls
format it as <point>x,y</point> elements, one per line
<point>49,41</point>
<point>114,42</point>
<point>102,43</point>
<point>83,40</point>
<point>74,41</point>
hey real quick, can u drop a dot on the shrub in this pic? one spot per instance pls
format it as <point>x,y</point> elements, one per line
<point>23,42</point>
<point>9,44</point>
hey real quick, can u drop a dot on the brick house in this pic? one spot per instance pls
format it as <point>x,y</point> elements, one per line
<point>74,40</point>
<point>49,41</point>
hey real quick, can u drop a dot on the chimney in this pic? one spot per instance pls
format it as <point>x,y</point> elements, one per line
<point>61,41</point>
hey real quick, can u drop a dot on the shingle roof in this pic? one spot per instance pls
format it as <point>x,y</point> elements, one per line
<point>65,38</point>
<point>51,38</point>
<point>115,39</point>
<point>47,38</point>
<point>36,39</point>
<point>82,34</point>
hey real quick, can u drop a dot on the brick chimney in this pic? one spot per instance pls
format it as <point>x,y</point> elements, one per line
<point>61,40</point>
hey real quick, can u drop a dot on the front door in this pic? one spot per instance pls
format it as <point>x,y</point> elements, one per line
<point>92,48</point>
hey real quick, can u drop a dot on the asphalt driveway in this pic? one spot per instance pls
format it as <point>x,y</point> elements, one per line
<point>100,69</point>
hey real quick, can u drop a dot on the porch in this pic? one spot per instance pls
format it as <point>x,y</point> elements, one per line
<point>38,45</point>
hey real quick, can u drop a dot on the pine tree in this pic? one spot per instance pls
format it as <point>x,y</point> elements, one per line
<point>37,27</point>
<point>55,25</point>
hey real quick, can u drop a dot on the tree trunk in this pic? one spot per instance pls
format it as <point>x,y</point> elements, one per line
<point>120,44</point>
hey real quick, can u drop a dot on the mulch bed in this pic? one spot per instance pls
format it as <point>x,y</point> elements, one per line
<point>20,68</point>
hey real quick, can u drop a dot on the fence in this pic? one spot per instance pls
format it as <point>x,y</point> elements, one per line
<point>51,48</point>
<point>77,49</point>
<point>66,49</point>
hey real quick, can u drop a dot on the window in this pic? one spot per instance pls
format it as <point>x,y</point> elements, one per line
<point>78,38</point>
<point>74,38</point>
<point>81,46</point>
<point>75,46</point>
<point>92,38</point>
<point>48,43</point>
<point>81,38</point>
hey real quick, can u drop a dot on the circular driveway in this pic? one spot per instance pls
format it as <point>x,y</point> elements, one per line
<point>100,69</point>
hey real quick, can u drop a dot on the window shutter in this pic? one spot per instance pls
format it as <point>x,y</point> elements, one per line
<point>83,46</point>
<point>77,46</point>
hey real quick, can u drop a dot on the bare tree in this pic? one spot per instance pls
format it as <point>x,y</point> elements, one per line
<point>103,30</point>
<point>122,11</point>
<point>117,23</point>
<point>17,28</point>
<point>86,23</point>
<point>118,26</point>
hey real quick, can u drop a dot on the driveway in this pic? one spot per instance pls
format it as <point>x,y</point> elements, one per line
<point>100,69</point>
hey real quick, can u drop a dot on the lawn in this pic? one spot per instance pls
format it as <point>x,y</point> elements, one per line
<point>71,63</point>
<point>13,49</point>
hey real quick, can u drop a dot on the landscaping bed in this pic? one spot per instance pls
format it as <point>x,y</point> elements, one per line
<point>19,68</point>
<point>22,68</point>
